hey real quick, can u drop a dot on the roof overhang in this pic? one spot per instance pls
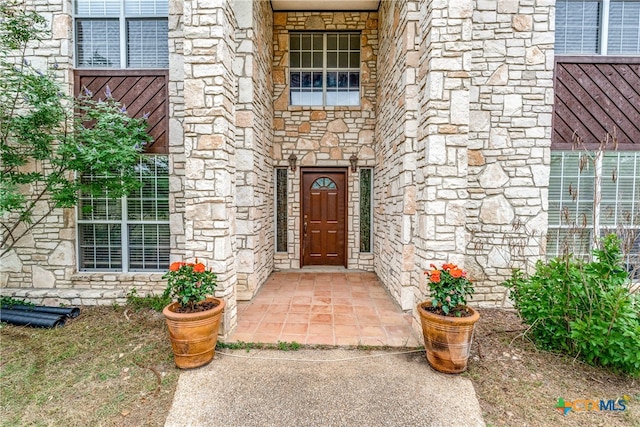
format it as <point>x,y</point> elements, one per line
<point>333,5</point>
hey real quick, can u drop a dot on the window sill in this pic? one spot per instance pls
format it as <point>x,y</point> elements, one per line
<point>324,108</point>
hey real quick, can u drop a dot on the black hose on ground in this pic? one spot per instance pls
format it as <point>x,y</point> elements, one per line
<point>71,312</point>
<point>31,318</point>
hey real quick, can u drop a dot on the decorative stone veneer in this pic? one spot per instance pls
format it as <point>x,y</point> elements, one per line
<point>509,140</point>
<point>463,166</point>
<point>254,136</point>
<point>45,259</point>
<point>324,136</point>
<point>394,183</point>
<point>209,144</point>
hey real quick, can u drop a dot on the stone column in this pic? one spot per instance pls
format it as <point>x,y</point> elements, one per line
<point>444,127</point>
<point>209,148</point>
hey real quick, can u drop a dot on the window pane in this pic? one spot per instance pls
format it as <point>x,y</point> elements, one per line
<point>148,43</point>
<point>306,59</point>
<point>146,7</point>
<point>294,60</point>
<point>296,80</point>
<point>151,201</point>
<point>281,210</point>
<point>571,200</point>
<point>148,246</point>
<point>577,26</point>
<point>97,7</point>
<point>294,41</point>
<point>624,27</point>
<point>365,210</point>
<point>98,43</point>
<point>332,80</point>
<point>332,59</point>
<point>332,41</point>
<point>100,246</point>
<point>306,41</point>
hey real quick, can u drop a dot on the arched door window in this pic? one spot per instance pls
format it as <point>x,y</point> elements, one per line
<point>323,184</point>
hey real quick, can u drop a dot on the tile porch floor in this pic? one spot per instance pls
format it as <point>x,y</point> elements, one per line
<point>342,308</point>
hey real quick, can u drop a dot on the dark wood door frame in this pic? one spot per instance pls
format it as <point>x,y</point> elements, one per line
<point>303,193</point>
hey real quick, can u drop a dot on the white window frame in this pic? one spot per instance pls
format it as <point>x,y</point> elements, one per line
<point>324,69</point>
<point>595,224</point>
<point>603,41</point>
<point>122,18</point>
<point>124,223</point>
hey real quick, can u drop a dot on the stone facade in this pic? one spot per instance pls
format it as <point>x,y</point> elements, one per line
<point>254,143</point>
<point>324,136</point>
<point>454,118</point>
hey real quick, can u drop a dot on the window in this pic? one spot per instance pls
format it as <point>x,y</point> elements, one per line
<point>281,210</point>
<point>598,27</point>
<point>365,209</point>
<point>132,233</point>
<point>122,33</point>
<point>324,68</point>
<point>575,221</point>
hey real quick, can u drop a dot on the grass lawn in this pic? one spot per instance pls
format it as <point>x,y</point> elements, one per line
<point>113,366</point>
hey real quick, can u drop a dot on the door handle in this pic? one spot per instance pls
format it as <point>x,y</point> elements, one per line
<point>305,228</point>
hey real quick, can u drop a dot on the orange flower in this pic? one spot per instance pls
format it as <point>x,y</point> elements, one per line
<point>455,272</point>
<point>435,276</point>
<point>175,266</point>
<point>199,268</point>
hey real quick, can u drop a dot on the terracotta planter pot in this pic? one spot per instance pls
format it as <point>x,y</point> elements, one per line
<point>193,335</point>
<point>447,340</point>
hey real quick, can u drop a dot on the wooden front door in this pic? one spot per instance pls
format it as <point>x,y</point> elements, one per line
<point>324,217</point>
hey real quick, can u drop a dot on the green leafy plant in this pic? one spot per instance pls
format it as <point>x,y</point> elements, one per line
<point>9,302</point>
<point>583,308</point>
<point>50,141</point>
<point>150,301</point>
<point>450,287</point>
<point>189,283</point>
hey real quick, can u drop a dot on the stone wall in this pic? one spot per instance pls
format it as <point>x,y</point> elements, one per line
<point>45,259</point>
<point>324,136</point>
<point>254,136</point>
<point>511,103</point>
<point>444,80</point>
<point>209,144</point>
<point>396,149</point>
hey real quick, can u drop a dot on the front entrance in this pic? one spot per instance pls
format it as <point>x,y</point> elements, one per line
<point>324,217</point>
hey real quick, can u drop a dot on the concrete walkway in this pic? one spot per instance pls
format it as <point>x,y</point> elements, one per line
<point>336,387</point>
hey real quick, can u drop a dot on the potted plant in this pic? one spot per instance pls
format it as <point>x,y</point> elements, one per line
<point>193,319</point>
<point>447,322</point>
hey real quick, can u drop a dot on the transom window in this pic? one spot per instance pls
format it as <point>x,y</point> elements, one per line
<point>323,184</point>
<point>607,27</point>
<point>324,68</point>
<point>131,233</point>
<point>122,33</point>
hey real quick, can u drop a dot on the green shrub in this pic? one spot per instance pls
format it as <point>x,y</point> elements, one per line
<point>150,301</point>
<point>583,308</point>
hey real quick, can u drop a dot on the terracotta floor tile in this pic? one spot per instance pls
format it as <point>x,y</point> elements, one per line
<point>342,309</point>
<point>319,329</point>
<point>298,317</point>
<point>278,308</point>
<point>347,331</point>
<point>321,319</point>
<point>295,328</point>
<point>324,309</point>
<point>321,308</point>
<point>300,308</point>
<point>344,319</point>
<point>269,328</point>
<point>300,339</point>
<point>372,331</point>
<point>246,326</point>
<point>320,340</point>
